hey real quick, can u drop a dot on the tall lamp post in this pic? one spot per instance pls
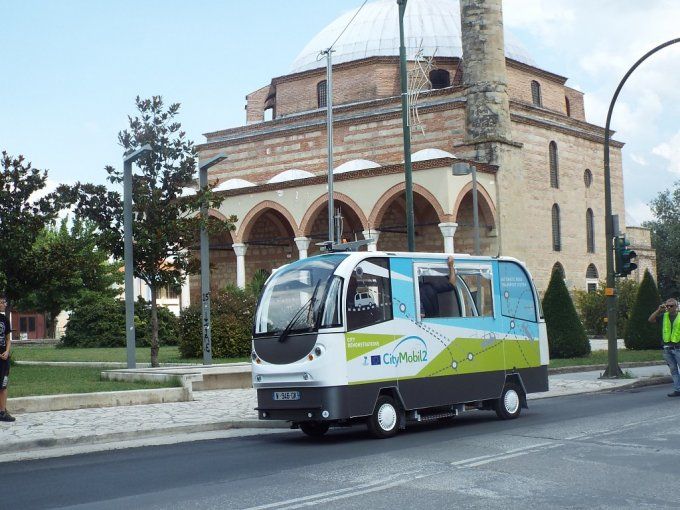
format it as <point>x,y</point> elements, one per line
<point>128,159</point>
<point>408,173</point>
<point>613,369</point>
<point>205,257</point>
<point>460,169</point>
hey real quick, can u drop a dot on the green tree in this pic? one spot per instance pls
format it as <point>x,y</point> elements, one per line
<point>666,239</point>
<point>166,226</point>
<point>25,210</point>
<point>566,335</point>
<point>71,264</point>
<point>640,333</point>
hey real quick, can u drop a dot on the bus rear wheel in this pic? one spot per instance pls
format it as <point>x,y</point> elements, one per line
<point>314,428</point>
<point>509,405</point>
<point>384,422</point>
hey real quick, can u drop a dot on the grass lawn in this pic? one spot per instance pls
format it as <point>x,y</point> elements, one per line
<point>42,380</point>
<point>600,358</point>
<point>166,354</point>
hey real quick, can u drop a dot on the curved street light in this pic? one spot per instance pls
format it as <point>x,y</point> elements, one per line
<point>613,370</point>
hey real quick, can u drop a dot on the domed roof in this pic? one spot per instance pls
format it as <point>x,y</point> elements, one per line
<point>290,175</point>
<point>354,165</point>
<point>430,153</point>
<point>430,24</point>
<point>233,184</point>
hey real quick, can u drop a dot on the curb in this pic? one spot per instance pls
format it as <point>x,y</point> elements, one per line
<point>113,437</point>
<point>592,368</point>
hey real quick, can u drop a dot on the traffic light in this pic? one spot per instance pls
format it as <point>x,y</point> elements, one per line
<point>623,257</point>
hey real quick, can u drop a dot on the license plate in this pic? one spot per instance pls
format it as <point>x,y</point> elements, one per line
<point>286,395</point>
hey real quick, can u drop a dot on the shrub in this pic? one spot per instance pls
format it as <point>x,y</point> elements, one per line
<point>592,307</point>
<point>641,334</point>
<point>99,321</point>
<point>566,335</point>
<point>231,312</point>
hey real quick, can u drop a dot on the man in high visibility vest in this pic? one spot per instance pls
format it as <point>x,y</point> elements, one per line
<point>671,339</point>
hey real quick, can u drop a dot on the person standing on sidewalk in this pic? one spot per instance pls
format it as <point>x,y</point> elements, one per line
<point>671,339</point>
<point>5,345</point>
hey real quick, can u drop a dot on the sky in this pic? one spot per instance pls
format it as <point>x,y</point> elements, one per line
<point>72,68</point>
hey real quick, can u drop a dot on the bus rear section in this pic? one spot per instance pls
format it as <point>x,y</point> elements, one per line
<point>395,339</point>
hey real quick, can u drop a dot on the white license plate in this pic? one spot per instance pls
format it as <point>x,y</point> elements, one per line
<point>286,395</point>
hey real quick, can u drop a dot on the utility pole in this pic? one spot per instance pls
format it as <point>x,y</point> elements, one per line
<point>329,131</point>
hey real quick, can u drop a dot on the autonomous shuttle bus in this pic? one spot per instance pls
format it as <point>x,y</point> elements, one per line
<point>395,338</point>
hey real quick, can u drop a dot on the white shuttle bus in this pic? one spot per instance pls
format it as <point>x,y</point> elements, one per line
<point>390,339</point>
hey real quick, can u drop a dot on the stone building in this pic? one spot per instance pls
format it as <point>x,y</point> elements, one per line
<point>539,161</point>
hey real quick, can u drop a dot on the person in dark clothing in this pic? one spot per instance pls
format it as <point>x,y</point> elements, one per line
<point>430,290</point>
<point>4,367</point>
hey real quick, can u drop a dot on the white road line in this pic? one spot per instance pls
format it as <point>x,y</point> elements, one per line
<point>484,459</point>
<point>339,493</point>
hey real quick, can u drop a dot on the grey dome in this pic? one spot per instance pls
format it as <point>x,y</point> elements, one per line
<point>430,24</point>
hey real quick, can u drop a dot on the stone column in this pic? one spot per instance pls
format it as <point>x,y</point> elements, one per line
<point>302,246</point>
<point>240,251</point>
<point>371,234</point>
<point>448,230</point>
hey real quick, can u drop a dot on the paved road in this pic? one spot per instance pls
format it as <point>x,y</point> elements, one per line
<point>613,450</point>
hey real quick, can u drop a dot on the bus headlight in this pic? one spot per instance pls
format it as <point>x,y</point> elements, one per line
<point>318,350</point>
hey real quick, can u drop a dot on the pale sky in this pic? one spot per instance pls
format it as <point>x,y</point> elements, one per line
<point>71,70</point>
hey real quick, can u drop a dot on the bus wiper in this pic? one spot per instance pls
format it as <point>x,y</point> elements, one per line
<point>309,304</point>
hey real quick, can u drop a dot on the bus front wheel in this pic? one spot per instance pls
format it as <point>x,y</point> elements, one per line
<point>314,428</point>
<point>509,405</point>
<point>384,422</point>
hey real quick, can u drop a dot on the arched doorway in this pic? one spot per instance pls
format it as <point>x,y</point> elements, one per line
<point>268,233</point>
<point>222,262</point>
<point>314,226</point>
<point>464,238</point>
<point>390,222</point>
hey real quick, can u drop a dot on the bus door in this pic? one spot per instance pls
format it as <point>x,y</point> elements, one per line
<point>368,311</point>
<point>520,317</point>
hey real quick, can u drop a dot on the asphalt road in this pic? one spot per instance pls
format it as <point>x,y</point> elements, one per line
<point>614,450</point>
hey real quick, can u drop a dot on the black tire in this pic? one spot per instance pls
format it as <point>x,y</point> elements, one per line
<point>314,428</point>
<point>509,405</point>
<point>384,422</point>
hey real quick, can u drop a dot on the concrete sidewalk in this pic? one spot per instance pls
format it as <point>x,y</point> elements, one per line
<point>47,434</point>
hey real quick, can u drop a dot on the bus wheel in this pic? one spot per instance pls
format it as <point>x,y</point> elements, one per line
<point>509,405</point>
<point>384,422</point>
<point>314,428</point>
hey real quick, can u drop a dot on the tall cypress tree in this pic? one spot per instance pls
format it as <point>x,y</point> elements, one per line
<point>566,335</point>
<point>640,333</point>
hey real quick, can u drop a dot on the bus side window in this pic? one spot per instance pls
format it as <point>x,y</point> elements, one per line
<point>438,298</point>
<point>517,293</point>
<point>369,298</point>
<point>479,292</point>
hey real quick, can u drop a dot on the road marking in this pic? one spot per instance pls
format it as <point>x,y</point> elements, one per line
<point>347,492</point>
<point>516,452</point>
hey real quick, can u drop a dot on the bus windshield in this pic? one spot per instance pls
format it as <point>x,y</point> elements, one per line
<point>292,300</point>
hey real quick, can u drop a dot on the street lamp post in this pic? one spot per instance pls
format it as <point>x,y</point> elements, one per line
<point>613,370</point>
<point>128,159</point>
<point>205,258</point>
<point>408,173</point>
<point>461,168</point>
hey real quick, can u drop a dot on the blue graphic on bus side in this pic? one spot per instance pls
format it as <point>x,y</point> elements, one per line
<point>410,355</point>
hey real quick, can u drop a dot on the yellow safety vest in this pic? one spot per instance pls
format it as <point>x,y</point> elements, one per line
<point>671,332</point>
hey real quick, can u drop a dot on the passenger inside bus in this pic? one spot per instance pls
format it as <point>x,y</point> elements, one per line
<point>437,292</point>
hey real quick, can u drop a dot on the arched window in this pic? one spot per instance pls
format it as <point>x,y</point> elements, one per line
<point>440,78</point>
<point>554,166</point>
<point>536,93</point>
<point>568,105</point>
<point>590,231</point>
<point>591,278</point>
<point>587,177</point>
<point>558,267</point>
<point>556,235</point>
<point>321,94</point>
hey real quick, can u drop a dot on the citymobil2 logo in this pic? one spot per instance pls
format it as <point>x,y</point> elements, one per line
<point>411,349</point>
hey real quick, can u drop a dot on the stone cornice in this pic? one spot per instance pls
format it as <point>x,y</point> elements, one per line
<point>375,110</point>
<point>359,174</point>
<point>535,70</point>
